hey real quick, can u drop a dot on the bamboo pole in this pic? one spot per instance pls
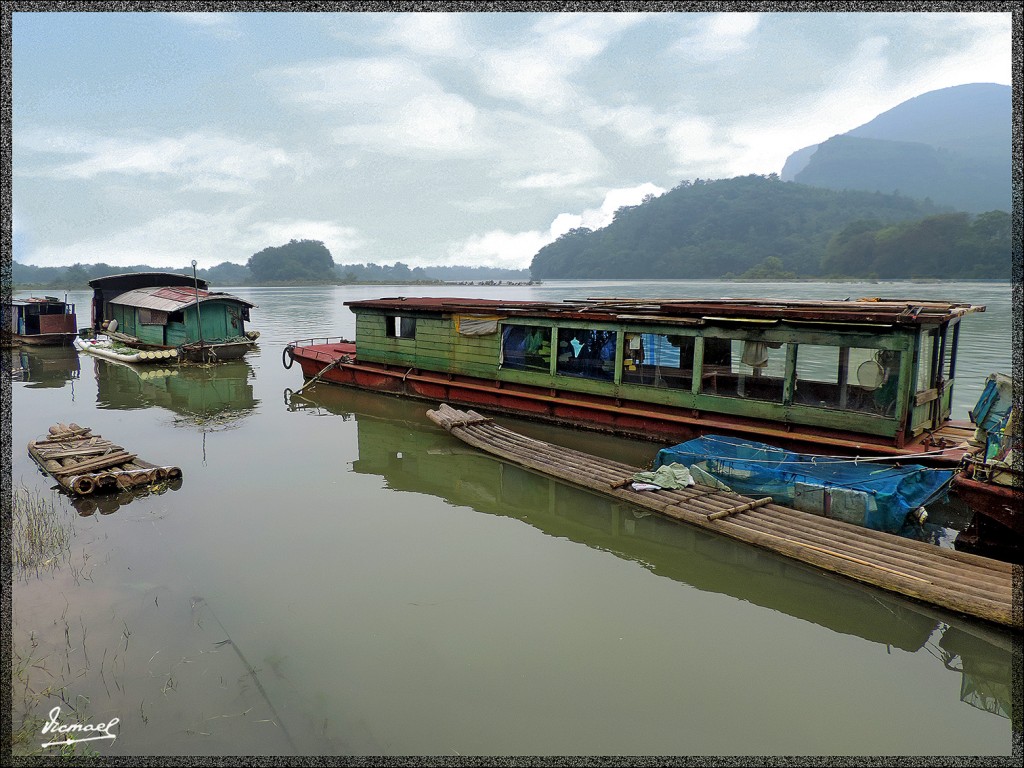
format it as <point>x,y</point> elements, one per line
<point>741,508</point>
<point>933,570</point>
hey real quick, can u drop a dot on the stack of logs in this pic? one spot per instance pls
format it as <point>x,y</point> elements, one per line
<point>84,463</point>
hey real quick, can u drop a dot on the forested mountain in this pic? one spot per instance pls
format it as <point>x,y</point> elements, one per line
<point>952,146</point>
<point>758,226</point>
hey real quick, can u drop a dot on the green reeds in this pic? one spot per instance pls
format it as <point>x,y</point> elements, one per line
<point>41,531</point>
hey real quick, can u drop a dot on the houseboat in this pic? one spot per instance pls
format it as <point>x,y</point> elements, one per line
<point>39,321</point>
<point>866,377</point>
<point>164,310</point>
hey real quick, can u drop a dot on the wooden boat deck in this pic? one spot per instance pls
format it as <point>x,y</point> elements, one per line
<point>84,463</point>
<point>969,584</point>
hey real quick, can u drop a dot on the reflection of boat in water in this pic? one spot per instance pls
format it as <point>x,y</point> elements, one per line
<point>45,366</point>
<point>215,395</point>
<point>983,682</point>
<point>398,443</point>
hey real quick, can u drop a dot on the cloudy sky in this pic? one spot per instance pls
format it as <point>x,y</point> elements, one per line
<point>429,138</point>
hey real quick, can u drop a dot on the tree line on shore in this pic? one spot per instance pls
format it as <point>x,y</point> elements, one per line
<point>760,227</point>
<point>298,262</point>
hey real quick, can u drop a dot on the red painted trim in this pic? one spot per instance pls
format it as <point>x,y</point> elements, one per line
<point>633,418</point>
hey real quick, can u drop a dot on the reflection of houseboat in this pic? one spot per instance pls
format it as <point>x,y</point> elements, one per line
<point>45,321</point>
<point>221,394</point>
<point>45,367</point>
<point>851,377</point>
<point>163,310</point>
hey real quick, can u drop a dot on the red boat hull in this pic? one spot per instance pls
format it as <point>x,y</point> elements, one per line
<point>631,418</point>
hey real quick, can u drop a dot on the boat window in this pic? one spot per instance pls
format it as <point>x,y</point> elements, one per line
<point>152,316</point>
<point>526,348</point>
<point>658,360</point>
<point>586,353</point>
<point>847,378</point>
<point>744,368</point>
<point>926,361</point>
<point>400,327</point>
<point>949,362</point>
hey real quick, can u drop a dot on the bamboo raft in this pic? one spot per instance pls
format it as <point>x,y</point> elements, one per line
<point>957,581</point>
<point>84,463</point>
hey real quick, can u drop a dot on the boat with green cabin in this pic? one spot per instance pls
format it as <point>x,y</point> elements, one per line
<point>866,377</point>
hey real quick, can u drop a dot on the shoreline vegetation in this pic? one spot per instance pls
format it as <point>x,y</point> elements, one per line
<point>525,283</point>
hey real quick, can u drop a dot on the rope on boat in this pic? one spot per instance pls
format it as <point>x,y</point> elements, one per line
<point>315,379</point>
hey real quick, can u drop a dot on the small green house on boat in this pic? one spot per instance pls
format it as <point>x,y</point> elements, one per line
<point>160,310</point>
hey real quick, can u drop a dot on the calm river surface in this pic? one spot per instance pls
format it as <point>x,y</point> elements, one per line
<point>340,576</point>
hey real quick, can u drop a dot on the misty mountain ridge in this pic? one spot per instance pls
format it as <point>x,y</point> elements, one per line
<point>952,146</point>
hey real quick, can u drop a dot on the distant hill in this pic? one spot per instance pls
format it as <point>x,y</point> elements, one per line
<point>752,226</point>
<point>951,146</point>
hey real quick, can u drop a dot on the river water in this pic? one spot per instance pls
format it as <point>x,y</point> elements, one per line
<point>336,575</point>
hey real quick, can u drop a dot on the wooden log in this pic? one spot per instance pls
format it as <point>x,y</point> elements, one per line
<point>741,508</point>
<point>81,484</point>
<point>101,463</point>
<point>94,450</point>
<point>998,566</point>
<point>936,569</point>
<point>934,557</point>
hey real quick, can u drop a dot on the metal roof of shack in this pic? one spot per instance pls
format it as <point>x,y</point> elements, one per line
<point>172,298</point>
<point>691,311</point>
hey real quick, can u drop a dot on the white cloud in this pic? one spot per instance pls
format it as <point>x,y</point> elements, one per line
<point>602,216</point>
<point>340,84</point>
<point>539,73</point>
<point>177,237</point>
<point>636,124</point>
<point>515,250</point>
<point>497,248</point>
<point>697,144</point>
<point>719,35</point>
<point>199,160</point>
<point>436,122</point>
<point>220,25</point>
<point>432,34</point>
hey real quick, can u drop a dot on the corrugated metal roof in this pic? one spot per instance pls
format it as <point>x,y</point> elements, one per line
<point>172,298</point>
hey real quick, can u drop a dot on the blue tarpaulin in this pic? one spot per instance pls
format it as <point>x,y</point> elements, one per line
<point>874,495</point>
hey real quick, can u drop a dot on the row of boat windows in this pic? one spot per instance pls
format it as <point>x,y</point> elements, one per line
<point>848,378</point>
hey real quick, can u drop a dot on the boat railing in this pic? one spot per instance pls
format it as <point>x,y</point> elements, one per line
<point>324,340</point>
<point>323,355</point>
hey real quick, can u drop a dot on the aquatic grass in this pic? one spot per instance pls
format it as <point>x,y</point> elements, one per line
<point>41,531</point>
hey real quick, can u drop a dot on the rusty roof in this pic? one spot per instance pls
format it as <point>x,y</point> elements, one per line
<point>688,311</point>
<point>171,298</point>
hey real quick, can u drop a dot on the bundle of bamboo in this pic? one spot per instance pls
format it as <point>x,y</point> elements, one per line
<point>84,463</point>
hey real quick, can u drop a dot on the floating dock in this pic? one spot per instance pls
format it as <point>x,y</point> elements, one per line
<point>968,584</point>
<point>84,463</point>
